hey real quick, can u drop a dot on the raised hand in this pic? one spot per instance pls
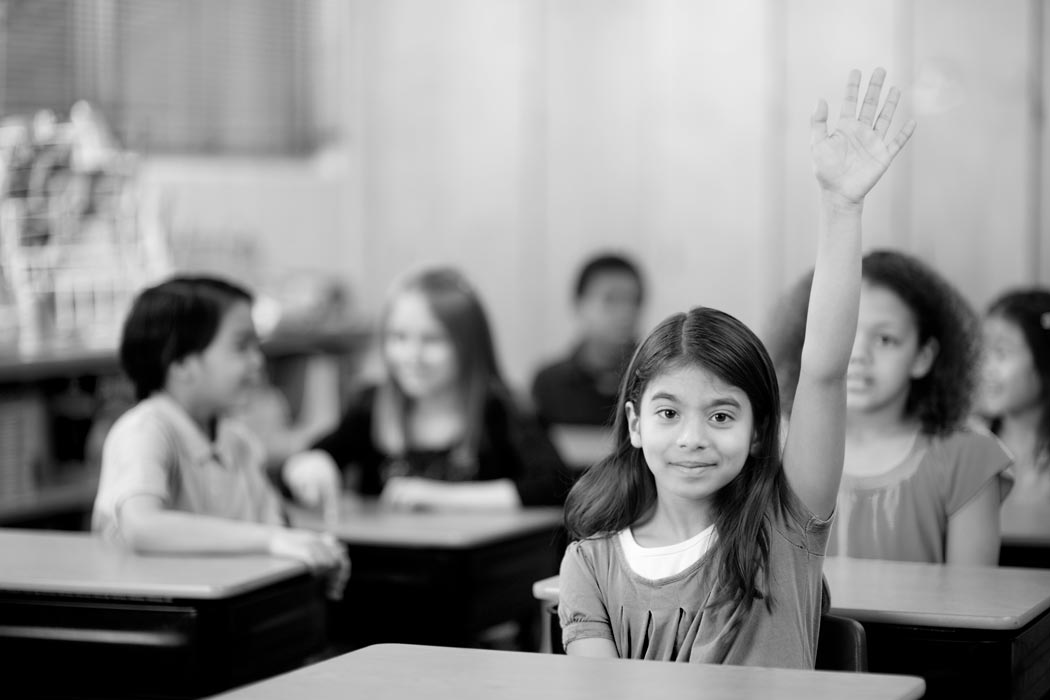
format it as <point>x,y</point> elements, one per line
<point>850,160</point>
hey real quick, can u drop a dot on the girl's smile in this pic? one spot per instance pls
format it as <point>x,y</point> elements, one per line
<point>695,431</point>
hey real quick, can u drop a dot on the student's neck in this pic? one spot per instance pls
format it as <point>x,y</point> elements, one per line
<point>673,521</point>
<point>1020,433</point>
<point>877,426</point>
<point>206,419</point>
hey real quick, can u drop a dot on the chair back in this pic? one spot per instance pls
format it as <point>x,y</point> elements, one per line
<point>842,644</point>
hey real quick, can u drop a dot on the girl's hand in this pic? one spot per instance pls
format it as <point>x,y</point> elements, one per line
<point>849,161</point>
<point>313,478</point>
<point>409,492</point>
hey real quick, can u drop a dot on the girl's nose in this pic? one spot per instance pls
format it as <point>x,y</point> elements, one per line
<point>692,436</point>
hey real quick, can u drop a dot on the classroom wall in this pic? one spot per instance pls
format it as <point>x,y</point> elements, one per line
<point>513,137</point>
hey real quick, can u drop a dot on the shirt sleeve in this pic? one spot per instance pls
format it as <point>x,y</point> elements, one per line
<point>138,457</point>
<point>971,461</point>
<point>581,606</point>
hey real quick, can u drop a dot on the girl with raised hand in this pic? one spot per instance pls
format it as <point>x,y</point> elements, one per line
<point>695,540</point>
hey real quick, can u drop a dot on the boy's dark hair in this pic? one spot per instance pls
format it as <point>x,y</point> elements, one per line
<point>170,321</point>
<point>608,262</point>
<point>1029,310</point>
<point>942,399</point>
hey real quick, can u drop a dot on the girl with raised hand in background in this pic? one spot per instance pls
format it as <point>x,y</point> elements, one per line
<point>695,540</point>
<point>918,483</point>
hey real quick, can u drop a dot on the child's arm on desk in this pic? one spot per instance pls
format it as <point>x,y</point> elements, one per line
<point>148,527</point>
<point>847,163</point>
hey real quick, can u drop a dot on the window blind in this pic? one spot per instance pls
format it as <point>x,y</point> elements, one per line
<point>170,76</point>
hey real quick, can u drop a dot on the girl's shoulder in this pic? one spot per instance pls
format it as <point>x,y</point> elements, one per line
<point>966,443</point>
<point>595,549</point>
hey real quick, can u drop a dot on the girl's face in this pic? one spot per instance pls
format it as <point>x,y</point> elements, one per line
<point>695,431</point>
<point>231,363</point>
<point>886,355</point>
<point>418,351</point>
<point>1010,383</point>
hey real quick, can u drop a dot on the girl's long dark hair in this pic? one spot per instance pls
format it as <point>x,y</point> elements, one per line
<point>619,491</point>
<point>1029,310</point>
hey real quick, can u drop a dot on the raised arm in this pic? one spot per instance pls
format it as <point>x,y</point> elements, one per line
<point>847,163</point>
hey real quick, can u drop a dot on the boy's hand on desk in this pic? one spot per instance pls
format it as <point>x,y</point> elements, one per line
<point>313,478</point>
<point>320,551</point>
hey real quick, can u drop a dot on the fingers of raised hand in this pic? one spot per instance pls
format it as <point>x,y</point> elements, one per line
<point>902,138</point>
<point>871,98</point>
<point>849,105</point>
<point>882,124</point>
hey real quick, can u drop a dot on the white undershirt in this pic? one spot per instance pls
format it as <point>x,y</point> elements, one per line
<point>661,562</point>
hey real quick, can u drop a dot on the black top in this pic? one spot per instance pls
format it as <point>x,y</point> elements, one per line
<point>569,392</point>
<point>513,446</point>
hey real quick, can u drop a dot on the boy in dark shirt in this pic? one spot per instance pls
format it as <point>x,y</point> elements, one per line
<point>580,390</point>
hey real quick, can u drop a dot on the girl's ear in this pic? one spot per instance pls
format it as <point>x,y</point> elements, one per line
<point>632,424</point>
<point>923,362</point>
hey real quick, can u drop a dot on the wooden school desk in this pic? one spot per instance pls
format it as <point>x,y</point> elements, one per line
<point>1025,534</point>
<point>402,672</point>
<point>82,618</point>
<point>980,632</point>
<point>438,577</point>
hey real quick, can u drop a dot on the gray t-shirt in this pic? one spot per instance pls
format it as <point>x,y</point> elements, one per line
<point>903,514</point>
<point>667,619</point>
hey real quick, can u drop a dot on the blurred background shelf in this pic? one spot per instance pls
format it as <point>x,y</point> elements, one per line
<point>62,502</point>
<point>71,361</point>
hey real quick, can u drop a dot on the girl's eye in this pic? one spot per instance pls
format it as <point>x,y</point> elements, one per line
<point>887,340</point>
<point>721,417</point>
<point>667,413</point>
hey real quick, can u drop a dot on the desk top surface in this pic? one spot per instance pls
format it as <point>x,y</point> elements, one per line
<point>929,595</point>
<point>399,672</point>
<point>365,522</point>
<point>1025,523</point>
<point>80,563</point>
